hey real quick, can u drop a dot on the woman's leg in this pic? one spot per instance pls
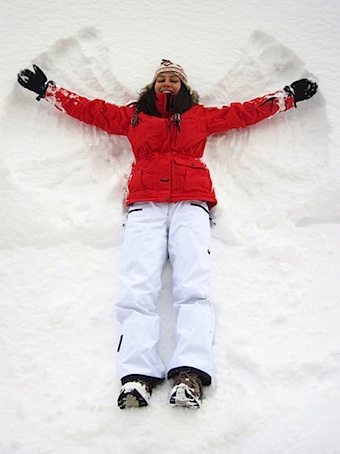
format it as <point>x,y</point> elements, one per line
<point>145,252</point>
<point>189,252</point>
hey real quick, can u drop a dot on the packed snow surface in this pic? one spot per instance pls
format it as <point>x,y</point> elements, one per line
<point>275,241</point>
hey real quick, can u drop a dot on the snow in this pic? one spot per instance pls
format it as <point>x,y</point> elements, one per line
<point>275,244</point>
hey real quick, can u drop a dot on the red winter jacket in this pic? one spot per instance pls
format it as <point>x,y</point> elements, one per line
<point>168,166</point>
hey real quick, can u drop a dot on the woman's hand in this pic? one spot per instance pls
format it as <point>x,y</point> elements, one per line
<point>35,81</point>
<point>302,89</point>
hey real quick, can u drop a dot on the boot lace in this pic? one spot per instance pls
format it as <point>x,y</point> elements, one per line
<point>191,380</point>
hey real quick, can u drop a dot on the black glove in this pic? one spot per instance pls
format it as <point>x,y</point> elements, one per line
<point>302,89</point>
<point>35,81</point>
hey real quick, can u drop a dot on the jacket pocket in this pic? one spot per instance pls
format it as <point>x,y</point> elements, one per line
<point>191,174</point>
<point>142,176</point>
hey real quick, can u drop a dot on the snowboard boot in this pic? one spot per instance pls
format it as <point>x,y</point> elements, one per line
<point>186,391</point>
<point>134,393</point>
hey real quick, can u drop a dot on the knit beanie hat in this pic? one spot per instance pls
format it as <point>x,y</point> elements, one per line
<point>167,66</point>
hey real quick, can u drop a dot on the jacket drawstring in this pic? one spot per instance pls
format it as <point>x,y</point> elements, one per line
<point>177,120</point>
<point>135,118</point>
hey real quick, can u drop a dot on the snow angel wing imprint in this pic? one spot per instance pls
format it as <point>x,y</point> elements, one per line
<point>82,62</point>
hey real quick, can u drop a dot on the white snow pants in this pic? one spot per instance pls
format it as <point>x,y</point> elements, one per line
<point>155,232</point>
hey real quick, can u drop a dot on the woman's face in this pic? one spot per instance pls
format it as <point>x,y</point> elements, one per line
<point>167,82</point>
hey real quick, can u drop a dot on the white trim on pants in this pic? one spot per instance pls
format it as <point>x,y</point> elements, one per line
<point>154,232</point>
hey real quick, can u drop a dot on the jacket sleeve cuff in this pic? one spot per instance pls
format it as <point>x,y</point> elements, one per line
<point>286,100</point>
<point>51,96</point>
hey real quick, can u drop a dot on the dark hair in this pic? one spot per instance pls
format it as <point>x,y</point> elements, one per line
<point>178,104</point>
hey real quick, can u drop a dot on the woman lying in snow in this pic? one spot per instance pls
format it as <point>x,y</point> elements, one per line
<point>169,197</point>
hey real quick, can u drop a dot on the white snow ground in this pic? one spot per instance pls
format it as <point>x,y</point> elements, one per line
<point>276,241</point>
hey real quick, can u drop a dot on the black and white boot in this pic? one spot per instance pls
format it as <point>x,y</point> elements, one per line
<point>134,394</point>
<point>186,391</point>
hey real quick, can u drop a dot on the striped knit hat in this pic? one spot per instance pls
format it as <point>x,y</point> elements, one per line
<point>167,66</point>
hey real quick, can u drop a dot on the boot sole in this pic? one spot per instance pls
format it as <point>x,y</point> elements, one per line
<point>131,399</point>
<point>181,397</point>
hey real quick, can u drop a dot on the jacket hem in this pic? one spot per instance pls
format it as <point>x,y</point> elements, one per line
<point>203,197</point>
